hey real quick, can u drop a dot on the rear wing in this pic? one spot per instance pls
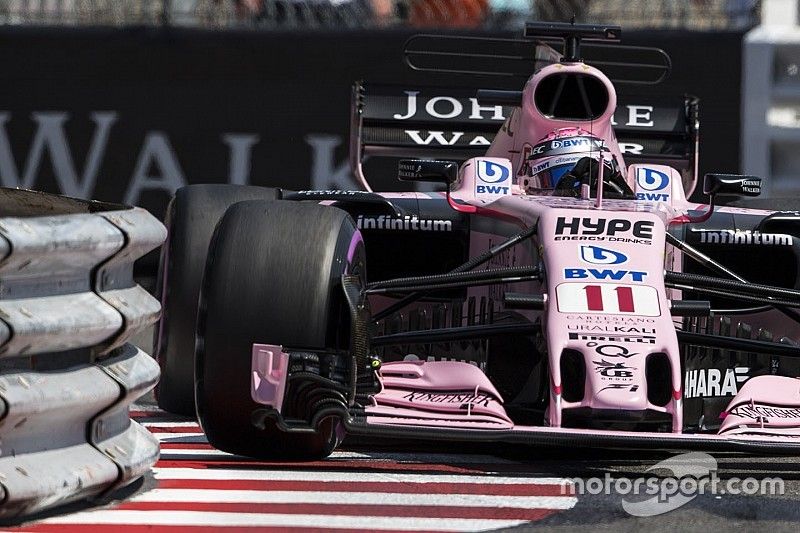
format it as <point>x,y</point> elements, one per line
<point>431,122</point>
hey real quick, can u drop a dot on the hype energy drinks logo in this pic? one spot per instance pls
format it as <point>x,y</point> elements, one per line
<point>492,179</point>
<point>604,230</point>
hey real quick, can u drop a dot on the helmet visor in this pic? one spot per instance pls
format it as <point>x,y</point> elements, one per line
<point>547,173</point>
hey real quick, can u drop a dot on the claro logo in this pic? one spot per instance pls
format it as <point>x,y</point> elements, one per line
<point>610,230</point>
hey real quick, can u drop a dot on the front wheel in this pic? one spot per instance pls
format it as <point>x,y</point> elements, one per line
<point>191,218</point>
<point>273,276</point>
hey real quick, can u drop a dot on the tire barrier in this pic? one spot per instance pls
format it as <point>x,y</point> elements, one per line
<point>68,306</point>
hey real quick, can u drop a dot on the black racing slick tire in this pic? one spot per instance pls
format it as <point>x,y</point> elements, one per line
<point>191,218</point>
<point>273,276</point>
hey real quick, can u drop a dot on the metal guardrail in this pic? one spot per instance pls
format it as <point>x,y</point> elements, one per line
<point>68,304</point>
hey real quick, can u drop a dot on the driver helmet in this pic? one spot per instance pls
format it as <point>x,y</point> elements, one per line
<point>556,154</point>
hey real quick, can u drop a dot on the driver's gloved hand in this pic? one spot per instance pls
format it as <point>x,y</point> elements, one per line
<point>570,183</point>
<point>615,186</point>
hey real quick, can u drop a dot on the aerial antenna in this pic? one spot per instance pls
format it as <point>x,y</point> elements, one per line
<point>572,34</point>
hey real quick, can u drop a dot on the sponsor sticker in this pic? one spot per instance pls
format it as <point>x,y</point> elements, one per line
<point>541,166</point>
<point>567,159</point>
<point>603,274</point>
<point>331,192</point>
<point>404,223</point>
<point>759,411</point>
<point>577,142</point>
<point>752,186</point>
<point>620,386</point>
<point>608,298</point>
<point>650,179</point>
<point>622,337</point>
<point>610,319</point>
<point>597,255</point>
<point>609,328</point>
<point>463,399</point>
<point>604,230</point>
<point>713,382</point>
<point>652,185</point>
<point>493,179</point>
<point>614,371</point>
<point>746,237</point>
<point>611,350</point>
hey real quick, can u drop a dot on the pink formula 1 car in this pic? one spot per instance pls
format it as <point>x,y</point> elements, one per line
<point>559,290</point>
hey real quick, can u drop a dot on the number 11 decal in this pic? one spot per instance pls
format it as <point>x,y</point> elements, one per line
<point>608,298</point>
<point>594,298</point>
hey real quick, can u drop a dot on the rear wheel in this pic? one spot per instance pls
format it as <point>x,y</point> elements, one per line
<point>192,216</point>
<point>273,276</point>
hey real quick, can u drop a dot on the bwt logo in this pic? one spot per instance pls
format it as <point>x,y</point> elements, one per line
<point>542,166</point>
<point>650,179</point>
<point>652,197</point>
<point>582,141</point>
<point>496,174</point>
<point>594,273</point>
<point>602,256</point>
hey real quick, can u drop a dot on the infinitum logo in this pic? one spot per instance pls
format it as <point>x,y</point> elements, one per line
<point>729,236</point>
<point>405,223</point>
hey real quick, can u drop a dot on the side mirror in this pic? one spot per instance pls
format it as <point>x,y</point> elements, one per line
<point>427,170</point>
<point>731,185</point>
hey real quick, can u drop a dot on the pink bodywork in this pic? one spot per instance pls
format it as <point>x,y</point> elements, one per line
<point>439,394</point>
<point>526,126</point>
<point>270,366</point>
<point>767,405</point>
<point>615,312</point>
<point>570,322</point>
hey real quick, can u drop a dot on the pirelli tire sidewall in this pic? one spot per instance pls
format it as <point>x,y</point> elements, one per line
<point>273,275</point>
<point>191,218</point>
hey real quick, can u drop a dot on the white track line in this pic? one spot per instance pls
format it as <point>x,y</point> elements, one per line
<point>221,520</point>
<point>147,424</point>
<point>351,497</point>
<point>182,437</point>
<point>322,476</point>
<point>193,453</point>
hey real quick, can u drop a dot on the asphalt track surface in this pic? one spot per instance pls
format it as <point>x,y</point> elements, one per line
<point>384,486</point>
